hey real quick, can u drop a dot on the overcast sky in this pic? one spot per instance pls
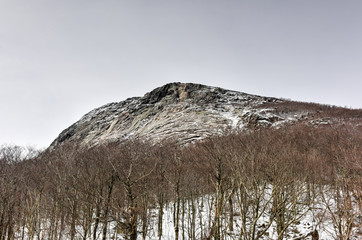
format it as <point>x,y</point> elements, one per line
<point>61,59</point>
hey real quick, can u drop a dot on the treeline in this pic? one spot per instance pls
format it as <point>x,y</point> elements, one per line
<point>316,110</point>
<point>262,180</point>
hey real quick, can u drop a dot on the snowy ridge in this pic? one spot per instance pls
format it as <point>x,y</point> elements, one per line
<point>183,111</point>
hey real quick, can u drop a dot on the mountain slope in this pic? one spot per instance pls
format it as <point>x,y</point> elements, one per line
<point>187,112</point>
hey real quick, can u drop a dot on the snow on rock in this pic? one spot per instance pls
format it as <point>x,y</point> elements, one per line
<point>184,111</point>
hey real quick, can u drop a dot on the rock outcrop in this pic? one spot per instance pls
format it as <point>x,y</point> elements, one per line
<point>183,111</point>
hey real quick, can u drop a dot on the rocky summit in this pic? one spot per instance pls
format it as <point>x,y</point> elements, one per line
<point>186,112</point>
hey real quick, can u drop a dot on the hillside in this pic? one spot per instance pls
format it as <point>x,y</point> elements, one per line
<point>189,112</point>
<point>289,171</point>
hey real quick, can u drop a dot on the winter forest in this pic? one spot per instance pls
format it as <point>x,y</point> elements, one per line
<point>297,182</point>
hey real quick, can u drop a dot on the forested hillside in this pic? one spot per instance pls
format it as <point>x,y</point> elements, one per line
<point>242,185</point>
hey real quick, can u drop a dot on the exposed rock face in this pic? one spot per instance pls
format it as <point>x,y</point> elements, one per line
<point>177,110</point>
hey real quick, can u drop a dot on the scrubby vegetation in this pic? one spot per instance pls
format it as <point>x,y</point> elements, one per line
<point>265,179</point>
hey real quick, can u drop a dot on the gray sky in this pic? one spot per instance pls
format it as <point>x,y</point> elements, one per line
<point>61,59</point>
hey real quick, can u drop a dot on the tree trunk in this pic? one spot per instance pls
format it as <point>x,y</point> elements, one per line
<point>193,219</point>
<point>231,216</point>
<point>183,218</point>
<point>72,226</point>
<point>176,216</point>
<point>98,215</point>
<point>160,217</point>
<point>134,220</point>
<point>106,211</point>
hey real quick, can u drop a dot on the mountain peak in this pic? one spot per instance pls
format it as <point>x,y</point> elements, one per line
<point>183,111</point>
<point>175,91</point>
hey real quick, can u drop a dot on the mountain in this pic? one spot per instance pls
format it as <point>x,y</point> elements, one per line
<point>188,112</point>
